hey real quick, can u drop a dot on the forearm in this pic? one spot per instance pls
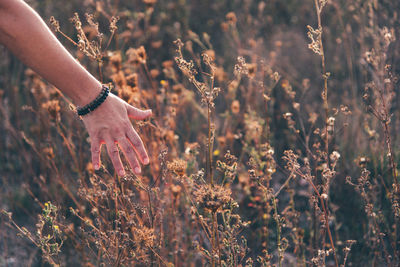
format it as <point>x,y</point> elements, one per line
<point>27,36</point>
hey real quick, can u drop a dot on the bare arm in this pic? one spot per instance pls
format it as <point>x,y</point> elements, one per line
<point>27,36</point>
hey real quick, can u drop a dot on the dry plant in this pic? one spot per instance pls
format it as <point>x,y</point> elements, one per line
<point>252,168</point>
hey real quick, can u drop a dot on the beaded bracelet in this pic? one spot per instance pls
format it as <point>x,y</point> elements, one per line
<point>95,103</point>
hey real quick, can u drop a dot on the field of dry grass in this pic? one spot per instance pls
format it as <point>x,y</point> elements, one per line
<point>273,140</point>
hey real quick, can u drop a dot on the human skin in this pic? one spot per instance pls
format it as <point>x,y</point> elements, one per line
<point>26,35</point>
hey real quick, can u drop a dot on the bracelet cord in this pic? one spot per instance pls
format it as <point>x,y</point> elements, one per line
<point>95,103</point>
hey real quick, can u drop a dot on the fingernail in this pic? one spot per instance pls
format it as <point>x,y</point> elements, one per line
<point>150,111</point>
<point>121,173</point>
<point>137,170</point>
<point>146,161</point>
<point>96,167</point>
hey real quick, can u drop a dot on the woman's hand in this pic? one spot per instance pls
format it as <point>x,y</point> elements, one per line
<point>109,124</point>
<point>31,40</point>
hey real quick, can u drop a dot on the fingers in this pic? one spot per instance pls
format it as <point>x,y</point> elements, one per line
<point>129,145</point>
<point>95,149</point>
<point>137,143</point>
<point>138,114</point>
<point>113,152</point>
<point>129,152</point>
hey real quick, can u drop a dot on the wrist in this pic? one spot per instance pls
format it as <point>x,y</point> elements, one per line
<point>84,96</point>
<point>95,103</point>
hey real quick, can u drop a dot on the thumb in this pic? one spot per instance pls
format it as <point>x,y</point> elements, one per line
<point>138,114</point>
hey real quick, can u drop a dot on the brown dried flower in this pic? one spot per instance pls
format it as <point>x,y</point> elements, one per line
<point>178,166</point>
<point>252,70</point>
<point>53,108</point>
<point>132,80</point>
<point>231,18</point>
<point>212,197</point>
<point>235,107</point>
<point>137,56</point>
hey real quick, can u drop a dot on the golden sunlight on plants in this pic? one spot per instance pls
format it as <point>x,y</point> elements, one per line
<point>273,139</point>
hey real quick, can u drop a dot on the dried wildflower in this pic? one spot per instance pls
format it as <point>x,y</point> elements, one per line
<point>291,159</point>
<point>235,107</point>
<point>241,67</point>
<point>362,161</point>
<point>331,124</point>
<point>119,79</point>
<point>137,56</point>
<point>113,24</point>
<point>89,167</point>
<point>167,64</point>
<point>115,61</point>
<point>313,117</point>
<point>143,236</point>
<point>126,94</point>
<point>48,236</point>
<point>156,44</point>
<point>252,70</point>
<point>53,108</point>
<point>305,83</point>
<point>221,141</point>
<point>288,89</point>
<point>91,49</point>
<point>316,40</point>
<point>289,118</point>
<point>154,73</point>
<point>388,36</point>
<point>174,99</point>
<point>253,126</point>
<point>224,26</point>
<point>178,88</point>
<point>186,67</point>
<point>210,54</point>
<point>55,24</point>
<point>285,83</point>
<point>48,151</point>
<point>94,25</point>
<point>233,86</point>
<point>177,166</point>
<point>212,197</point>
<point>228,166</point>
<point>243,179</point>
<point>231,18</point>
<point>176,190</point>
<point>208,93</point>
<point>335,156</point>
<point>132,80</point>
<point>220,74</point>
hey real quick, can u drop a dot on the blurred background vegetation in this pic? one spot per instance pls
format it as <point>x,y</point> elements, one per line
<point>270,102</point>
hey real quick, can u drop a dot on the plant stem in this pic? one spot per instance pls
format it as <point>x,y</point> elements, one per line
<point>325,77</point>
<point>278,232</point>
<point>326,108</point>
<point>100,71</point>
<point>209,163</point>
<point>213,242</point>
